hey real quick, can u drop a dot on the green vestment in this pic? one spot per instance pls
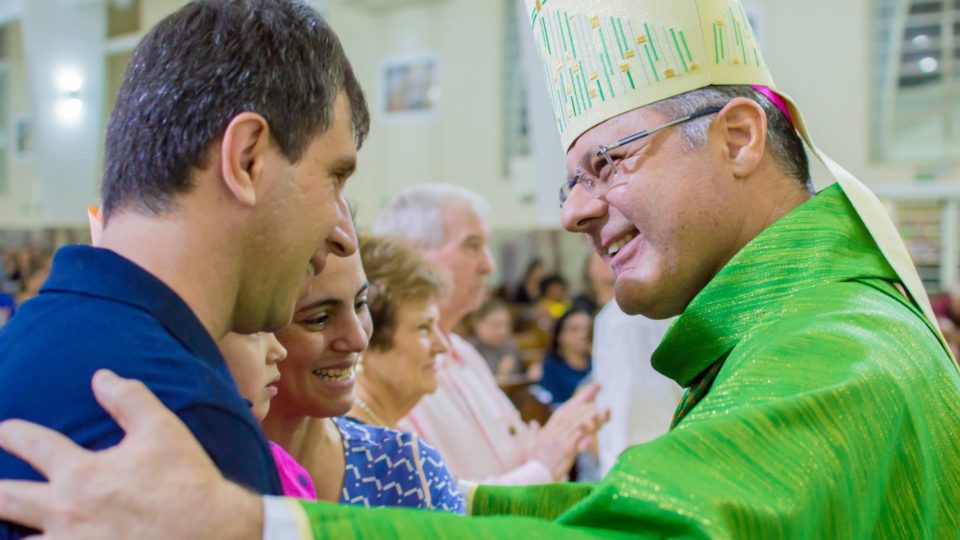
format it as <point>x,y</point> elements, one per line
<point>835,414</point>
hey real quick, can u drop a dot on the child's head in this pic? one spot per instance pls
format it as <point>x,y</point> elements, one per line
<point>493,323</point>
<point>554,287</point>
<point>253,359</point>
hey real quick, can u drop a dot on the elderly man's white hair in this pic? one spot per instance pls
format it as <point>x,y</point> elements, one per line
<point>417,213</point>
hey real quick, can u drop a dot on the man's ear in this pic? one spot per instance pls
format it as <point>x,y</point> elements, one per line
<point>242,154</point>
<point>742,126</point>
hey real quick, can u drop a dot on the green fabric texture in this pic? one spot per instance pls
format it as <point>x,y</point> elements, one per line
<point>835,414</point>
<point>698,389</point>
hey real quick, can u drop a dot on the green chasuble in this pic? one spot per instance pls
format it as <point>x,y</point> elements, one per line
<point>835,413</point>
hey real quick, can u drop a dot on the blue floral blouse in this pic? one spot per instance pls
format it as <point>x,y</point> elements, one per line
<point>386,467</point>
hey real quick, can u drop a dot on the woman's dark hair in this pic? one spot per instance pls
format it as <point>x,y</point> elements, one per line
<point>554,350</point>
<point>202,66</point>
<point>535,262</point>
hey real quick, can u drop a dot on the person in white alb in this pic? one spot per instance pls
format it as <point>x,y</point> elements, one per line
<point>640,399</point>
<point>469,419</point>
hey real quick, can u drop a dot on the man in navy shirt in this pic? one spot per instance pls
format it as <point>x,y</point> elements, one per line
<point>235,129</point>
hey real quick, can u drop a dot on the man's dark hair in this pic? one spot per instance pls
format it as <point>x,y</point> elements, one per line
<point>201,67</point>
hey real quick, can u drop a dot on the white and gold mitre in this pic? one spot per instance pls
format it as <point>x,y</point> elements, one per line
<point>602,58</point>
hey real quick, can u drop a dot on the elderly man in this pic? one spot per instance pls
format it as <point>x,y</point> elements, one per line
<point>209,151</point>
<point>470,421</point>
<point>821,400</point>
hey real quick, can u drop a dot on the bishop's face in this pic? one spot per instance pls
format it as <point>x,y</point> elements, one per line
<point>670,227</point>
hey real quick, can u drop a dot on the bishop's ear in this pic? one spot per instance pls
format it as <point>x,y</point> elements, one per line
<point>742,126</point>
<point>242,155</point>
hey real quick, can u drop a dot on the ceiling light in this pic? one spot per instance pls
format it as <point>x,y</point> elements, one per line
<point>69,110</point>
<point>928,64</point>
<point>69,82</point>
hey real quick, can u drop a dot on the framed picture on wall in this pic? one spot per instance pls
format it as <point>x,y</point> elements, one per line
<point>410,88</point>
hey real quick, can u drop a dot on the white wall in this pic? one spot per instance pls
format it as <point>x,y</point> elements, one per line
<point>64,39</point>
<point>820,54</point>
<point>819,51</point>
<point>53,183</point>
<point>19,205</point>
<point>463,144</point>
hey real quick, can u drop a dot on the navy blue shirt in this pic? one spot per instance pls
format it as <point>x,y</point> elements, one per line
<point>99,310</point>
<point>560,379</point>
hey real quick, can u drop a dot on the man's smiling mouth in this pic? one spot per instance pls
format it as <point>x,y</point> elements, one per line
<point>617,245</point>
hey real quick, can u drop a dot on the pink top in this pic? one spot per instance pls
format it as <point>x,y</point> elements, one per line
<point>294,478</point>
<point>474,425</point>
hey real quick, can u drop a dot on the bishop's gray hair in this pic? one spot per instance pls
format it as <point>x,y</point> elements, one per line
<point>417,213</point>
<point>783,142</point>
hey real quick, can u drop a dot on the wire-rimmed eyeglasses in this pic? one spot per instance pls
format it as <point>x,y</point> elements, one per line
<point>608,177</point>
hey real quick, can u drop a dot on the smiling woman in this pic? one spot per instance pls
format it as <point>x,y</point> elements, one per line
<point>332,326</point>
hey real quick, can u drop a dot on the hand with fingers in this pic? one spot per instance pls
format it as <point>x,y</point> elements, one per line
<point>571,429</point>
<point>158,483</point>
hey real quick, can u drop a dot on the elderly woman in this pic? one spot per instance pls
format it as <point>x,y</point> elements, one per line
<point>332,326</point>
<point>400,365</point>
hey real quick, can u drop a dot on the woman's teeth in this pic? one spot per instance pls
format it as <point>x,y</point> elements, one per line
<point>338,375</point>
<point>618,245</point>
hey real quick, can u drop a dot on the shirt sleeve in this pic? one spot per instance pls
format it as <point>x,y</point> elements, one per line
<point>530,473</point>
<point>544,502</point>
<point>284,519</point>
<point>329,521</point>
